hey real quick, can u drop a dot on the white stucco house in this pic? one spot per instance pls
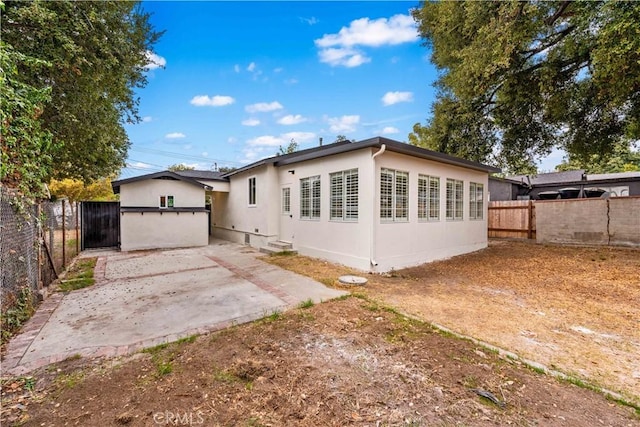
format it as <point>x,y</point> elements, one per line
<point>374,205</point>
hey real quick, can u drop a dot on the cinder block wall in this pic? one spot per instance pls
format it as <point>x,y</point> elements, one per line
<point>624,223</point>
<point>614,221</point>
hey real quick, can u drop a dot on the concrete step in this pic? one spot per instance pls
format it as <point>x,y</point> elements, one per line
<point>278,247</point>
<point>283,246</point>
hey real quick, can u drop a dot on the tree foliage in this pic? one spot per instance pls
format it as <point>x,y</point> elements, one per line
<point>25,159</point>
<point>623,159</point>
<point>519,78</point>
<point>292,147</point>
<point>180,167</point>
<point>98,52</point>
<point>76,190</point>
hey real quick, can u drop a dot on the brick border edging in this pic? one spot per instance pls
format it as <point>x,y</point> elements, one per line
<point>20,344</point>
<point>125,350</point>
<point>252,278</point>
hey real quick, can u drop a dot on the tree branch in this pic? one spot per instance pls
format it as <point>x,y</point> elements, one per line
<point>553,18</point>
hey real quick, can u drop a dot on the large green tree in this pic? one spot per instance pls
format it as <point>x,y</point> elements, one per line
<point>98,52</point>
<point>519,78</point>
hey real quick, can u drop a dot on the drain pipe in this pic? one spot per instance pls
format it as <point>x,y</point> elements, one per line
<point>372,249</point>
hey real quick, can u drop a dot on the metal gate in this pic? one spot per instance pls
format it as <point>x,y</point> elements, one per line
<point>100,224</point>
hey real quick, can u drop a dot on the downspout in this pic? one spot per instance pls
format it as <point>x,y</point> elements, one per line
<point>372,249</point>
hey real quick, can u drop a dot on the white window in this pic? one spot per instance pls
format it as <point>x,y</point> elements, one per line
<point>252,191</point>
<point>344,195</point>
<point>428,198</point>
<point>166,202</point>
<point>455,199</point>
<point>310,197</point>
<point>286,200</point>
<point>476,200</point>
<point>394,195</point>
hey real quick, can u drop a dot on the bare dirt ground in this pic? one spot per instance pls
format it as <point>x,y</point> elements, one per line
<point>575,309</point>
<point>345,362</point>
<point>357,362</point>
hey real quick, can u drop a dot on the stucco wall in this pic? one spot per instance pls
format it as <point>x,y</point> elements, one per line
<point>151,230</point>
<point>613,221</point>
<point>344,242</point>
<point>164,228</point>
<point>403,244</point>
<point>234,219</point>
<point>146,193</point>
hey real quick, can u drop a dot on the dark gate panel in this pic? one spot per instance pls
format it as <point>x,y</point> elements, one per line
<point>100,224</point>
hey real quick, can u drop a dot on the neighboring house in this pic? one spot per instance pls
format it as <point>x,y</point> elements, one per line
<point>568,184</point>
<point>374,205</point>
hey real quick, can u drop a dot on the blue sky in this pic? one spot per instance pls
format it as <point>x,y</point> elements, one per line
<point>240,79</point>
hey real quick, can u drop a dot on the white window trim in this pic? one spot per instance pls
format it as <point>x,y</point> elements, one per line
<point>394,196</point>
<point>166,201</point>
<point>476,204</point>
<point>286,207</point>
<point>311,199</point>
<point>457,200</point>
<point>429,202</point>
<point>344,195</point>
<point>255,192</point>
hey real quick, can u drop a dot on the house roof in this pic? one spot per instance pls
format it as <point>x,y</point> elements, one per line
<point>550,177</point>
<point>202,174</point>
<point>158,175</point>
<point>377,142</point>
<point>613,176</point>
<point>571,177</point>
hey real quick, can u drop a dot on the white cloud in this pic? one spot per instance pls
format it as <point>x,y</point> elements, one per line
<point>388,130</point>
<point>292,119</point>
<point>291,81</point>
<point>342,48</point>
<point>175,135</point>
<point>311,21</point>
<point>346,56</point>
<point>232,140</point>
<point>147,119</point>
<point>278,70</point>
<point>140,165</point>
<point>155,61</point>
<point>379,32</point>
<point>204,154</point>
<point>343,124</point>
<point>299,137</point>
<point>251,67</point>
<point>263,107</point>
<point>187,147</point>
<point>251,122</point>
<point>213,101</point>
<point>266,141</point>
<point>391,98</point>
<point>236,68</point>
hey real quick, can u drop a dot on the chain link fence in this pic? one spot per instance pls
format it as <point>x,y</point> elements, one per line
<point>37,242</point>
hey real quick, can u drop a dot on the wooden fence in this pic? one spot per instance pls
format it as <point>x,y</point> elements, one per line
<point>514,219</point>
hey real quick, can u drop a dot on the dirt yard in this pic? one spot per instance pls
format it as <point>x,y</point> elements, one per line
<point>574,309</point>
<point>355,361</point>
<point>345,362</point>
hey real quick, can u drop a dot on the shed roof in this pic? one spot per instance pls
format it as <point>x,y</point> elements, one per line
<point>158,175</point>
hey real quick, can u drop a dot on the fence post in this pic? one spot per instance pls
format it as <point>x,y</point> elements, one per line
<point>77,228</point>
<point>530,220</point>
<point>64,235</point>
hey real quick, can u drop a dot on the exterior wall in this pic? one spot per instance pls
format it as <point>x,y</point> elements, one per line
<point>153,230</point>
<point>343,242</point>
<point>502,190</point>
<point>613,221</point>
<point>163,228</point>
<point>147,193</point>
<point>404,244</point>
<point>233,218</point>
<point>359,244</point>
